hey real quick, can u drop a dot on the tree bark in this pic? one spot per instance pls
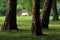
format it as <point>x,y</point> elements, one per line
<point>46,14</point>
<point>54,8</point>
<point>36,28</point>
<point>10,20</point>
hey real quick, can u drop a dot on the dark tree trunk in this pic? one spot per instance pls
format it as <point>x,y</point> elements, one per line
<point>10,20</point>
<point>36,28</point>
<point>46,13</point>
<point>54,8</point>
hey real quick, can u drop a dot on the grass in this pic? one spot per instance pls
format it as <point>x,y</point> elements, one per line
<point>26,21</point>
<point>24,24</point>
<point>25,34</point>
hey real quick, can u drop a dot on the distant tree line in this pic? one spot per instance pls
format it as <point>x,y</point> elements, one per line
<point>21,4</point>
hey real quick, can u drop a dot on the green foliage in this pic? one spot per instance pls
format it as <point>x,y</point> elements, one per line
<point>21,4</point>
<point>58,1</point>
<point>3,7</point>
<point>24,4</point>
<point>19,7</point>
<point>41,3</point>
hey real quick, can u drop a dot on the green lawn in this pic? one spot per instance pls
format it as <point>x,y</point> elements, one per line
<point>24,24</point>
<point>26,21</point>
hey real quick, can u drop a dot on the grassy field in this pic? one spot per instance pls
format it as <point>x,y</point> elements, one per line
<point>24,24</point>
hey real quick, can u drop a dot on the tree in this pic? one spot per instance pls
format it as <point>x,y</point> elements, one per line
<point>46,13</point>
<point>10,20</point>
<point>54,8</point>
<point>36,28</point>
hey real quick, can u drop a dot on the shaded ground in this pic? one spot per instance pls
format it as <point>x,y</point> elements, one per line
<point>25,34</point>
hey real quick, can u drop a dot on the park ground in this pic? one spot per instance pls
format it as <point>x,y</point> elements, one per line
<point>24,24</point>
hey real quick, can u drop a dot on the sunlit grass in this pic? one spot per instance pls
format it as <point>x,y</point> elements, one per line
<point>26,21</point>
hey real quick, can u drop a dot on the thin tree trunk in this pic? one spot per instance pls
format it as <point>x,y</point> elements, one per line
<point>54,8</point>
<point>10,20</point>
<point>46,14</point>
<point>36,28</point>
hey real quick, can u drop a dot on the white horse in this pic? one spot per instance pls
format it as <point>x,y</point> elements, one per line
<point>24,14</point>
